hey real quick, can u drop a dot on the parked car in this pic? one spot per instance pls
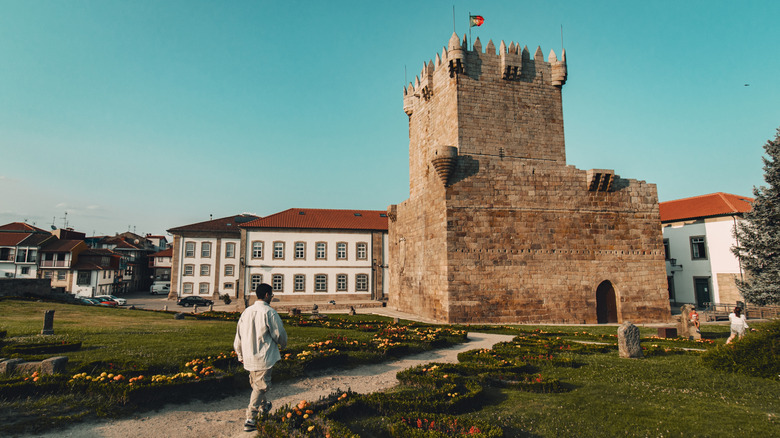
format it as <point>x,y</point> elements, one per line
<point>119,301</point>
<point>88,300</point>
<point>194,301</point>
<point>160,287</point>
<point>105,302</point>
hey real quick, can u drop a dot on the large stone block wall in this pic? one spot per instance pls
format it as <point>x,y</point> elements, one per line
<point>512,234</point>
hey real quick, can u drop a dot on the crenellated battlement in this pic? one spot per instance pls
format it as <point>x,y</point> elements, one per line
<point>511,63</point>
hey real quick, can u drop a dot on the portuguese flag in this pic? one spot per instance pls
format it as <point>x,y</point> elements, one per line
<point>476,20</point>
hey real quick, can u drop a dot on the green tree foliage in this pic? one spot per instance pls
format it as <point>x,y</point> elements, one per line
<point>758,237</point>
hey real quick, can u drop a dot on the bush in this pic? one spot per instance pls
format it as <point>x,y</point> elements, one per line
<point>754,355</point>
<point>225,298</point>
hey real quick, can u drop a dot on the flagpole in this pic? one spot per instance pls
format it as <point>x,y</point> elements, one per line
<point>453,18</point>
<point>469,29</point>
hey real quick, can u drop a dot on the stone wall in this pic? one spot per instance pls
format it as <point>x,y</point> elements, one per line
<point>727,289</point>
<point>20,287</point>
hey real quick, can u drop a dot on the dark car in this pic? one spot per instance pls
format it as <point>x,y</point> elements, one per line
<point>194,301</point>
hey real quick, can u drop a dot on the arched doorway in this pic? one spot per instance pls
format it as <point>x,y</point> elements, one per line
<point>606,303</point>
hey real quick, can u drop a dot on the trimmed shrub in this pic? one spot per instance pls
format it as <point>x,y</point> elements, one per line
<point>754,355</point>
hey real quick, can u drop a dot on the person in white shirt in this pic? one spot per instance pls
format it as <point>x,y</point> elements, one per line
<point>738,324</point>
<point>259,336</point>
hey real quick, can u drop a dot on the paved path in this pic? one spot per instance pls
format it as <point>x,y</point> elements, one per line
<point>225,417</point>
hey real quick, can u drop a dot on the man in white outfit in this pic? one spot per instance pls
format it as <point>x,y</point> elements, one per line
<point>259,335</point>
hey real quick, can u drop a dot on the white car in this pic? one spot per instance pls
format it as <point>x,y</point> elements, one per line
<point>119,301</point>
<point>159,287</point>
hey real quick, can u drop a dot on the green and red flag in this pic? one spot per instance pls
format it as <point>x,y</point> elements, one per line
<point>476,20</point>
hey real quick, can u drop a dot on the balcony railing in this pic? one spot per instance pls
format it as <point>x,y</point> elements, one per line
<point>54,264</point>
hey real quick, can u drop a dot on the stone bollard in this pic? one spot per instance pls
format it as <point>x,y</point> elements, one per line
<point>195,309</point>
<point>165,308</point>
<point>395,320</point>
<point>48,322</point>
<point>629,341</point>
<point>211,307</point>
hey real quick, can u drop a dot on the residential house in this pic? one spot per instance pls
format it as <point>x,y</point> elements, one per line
<point>134,266</point>
<point>160,263</point>
<point>698,236</point>
<point>96,273</point>
<point>19,247</point>
<point>313,255</point>
<point>205,258</point>
<point>159,242</point>
<point>57,259</point>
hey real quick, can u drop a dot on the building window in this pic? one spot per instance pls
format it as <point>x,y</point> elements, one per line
<point>189,269</point>
<point>61,275</point>
<point>205,249</point>
<point>189,249</point>
<point>361,251</point>
<point>257,250</point>
<point>230,250</point>
<point>205,270</point>
<point>299,283</point>
<point>203,289</point>
<point>341,282</point>
<point>361,282</point>
<point>229,270</point>
<point>32,256</point>
<point>341,250</point>
<point>25,270</point>
<point>322,251</point>
<point>667,254</point>
<point>47,274</point>
<point>21,255</point>
<point>186,288</point>
<point>83,278</point>
<point>698,248</point>
<point>278,250</point>
<point>300,250</point>
<point>256,280</point>
<point>320,283</point>
<point>227,285</point>
<point>277,282</point>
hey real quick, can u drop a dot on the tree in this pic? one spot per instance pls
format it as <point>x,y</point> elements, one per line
<point>758,236</point>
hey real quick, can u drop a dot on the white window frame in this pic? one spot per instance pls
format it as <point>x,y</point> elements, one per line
<point>257,249</point>
<point>342,282</point>
<point>277,282</point>
<point>341,251</point>
<point>361,282</point>
<point>321,251</point>
<point>255,280</point>
<point>205,270</point>
<point>299,252</point>
<point>229,270</point>
<point>361,247</point>
<point>320,282</point>
<point>205,250</point>
<point>189,249</point>
<point>230,250</point>
<point>189,270</point>
<point>278,250</point>
<point>299,283</point>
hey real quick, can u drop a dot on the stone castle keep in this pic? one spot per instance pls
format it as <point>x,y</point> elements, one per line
<point>497,227</point>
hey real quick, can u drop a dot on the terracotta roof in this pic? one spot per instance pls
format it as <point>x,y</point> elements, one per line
<point>59,245</point>
<point>712,205</point>
<point>121,244</point>
<point>12,239</point>
<point>164,253</point>
<point>36,239</point>
<point>323,219</point>
<point>228,223</point>
<point>21,226</point>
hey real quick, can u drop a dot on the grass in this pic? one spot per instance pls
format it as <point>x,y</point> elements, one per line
<point>670,394</point>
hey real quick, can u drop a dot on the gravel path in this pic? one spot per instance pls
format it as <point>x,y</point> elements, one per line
<point>225,417</point>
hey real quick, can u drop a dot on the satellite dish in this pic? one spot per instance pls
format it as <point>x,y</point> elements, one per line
<point>53,227</point>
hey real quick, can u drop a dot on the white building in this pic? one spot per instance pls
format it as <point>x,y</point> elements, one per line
<point>19,247</point>
<point>698,236</point>
<point>206,257</point>
<point>314,255</point>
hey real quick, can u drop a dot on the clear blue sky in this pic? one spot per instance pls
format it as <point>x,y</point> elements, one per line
<point>146,115</point>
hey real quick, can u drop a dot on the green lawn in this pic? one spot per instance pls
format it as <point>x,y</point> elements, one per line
<point>667,393</point>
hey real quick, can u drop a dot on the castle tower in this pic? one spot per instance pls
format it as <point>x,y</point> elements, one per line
<point>497,227</point>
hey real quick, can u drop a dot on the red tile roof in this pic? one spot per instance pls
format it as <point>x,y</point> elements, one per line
<point>164,253</point>
<point>323,219</point>
<point>228,223</point>
<point>712,205</point>
<point>59,245</point>
<point>21,226</point>
<point>12,239</point>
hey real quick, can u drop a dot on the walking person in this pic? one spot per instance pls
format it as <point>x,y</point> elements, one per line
<point>738,324</point>
<point>259,336</point>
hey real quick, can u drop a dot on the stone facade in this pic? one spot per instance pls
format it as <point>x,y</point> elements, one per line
<point>497,227</point>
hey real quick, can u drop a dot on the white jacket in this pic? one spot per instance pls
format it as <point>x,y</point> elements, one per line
<point>259,335</point>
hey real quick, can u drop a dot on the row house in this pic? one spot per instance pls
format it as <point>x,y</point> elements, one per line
<point>309,255</point>
<point>306,255</point>
<point>135,273</point>
<point>97,273</point>
<point>20,245</point>
<point>160,263</point>
<point>58,259</point>
<point>205,257</point>
<point>698,236</point>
